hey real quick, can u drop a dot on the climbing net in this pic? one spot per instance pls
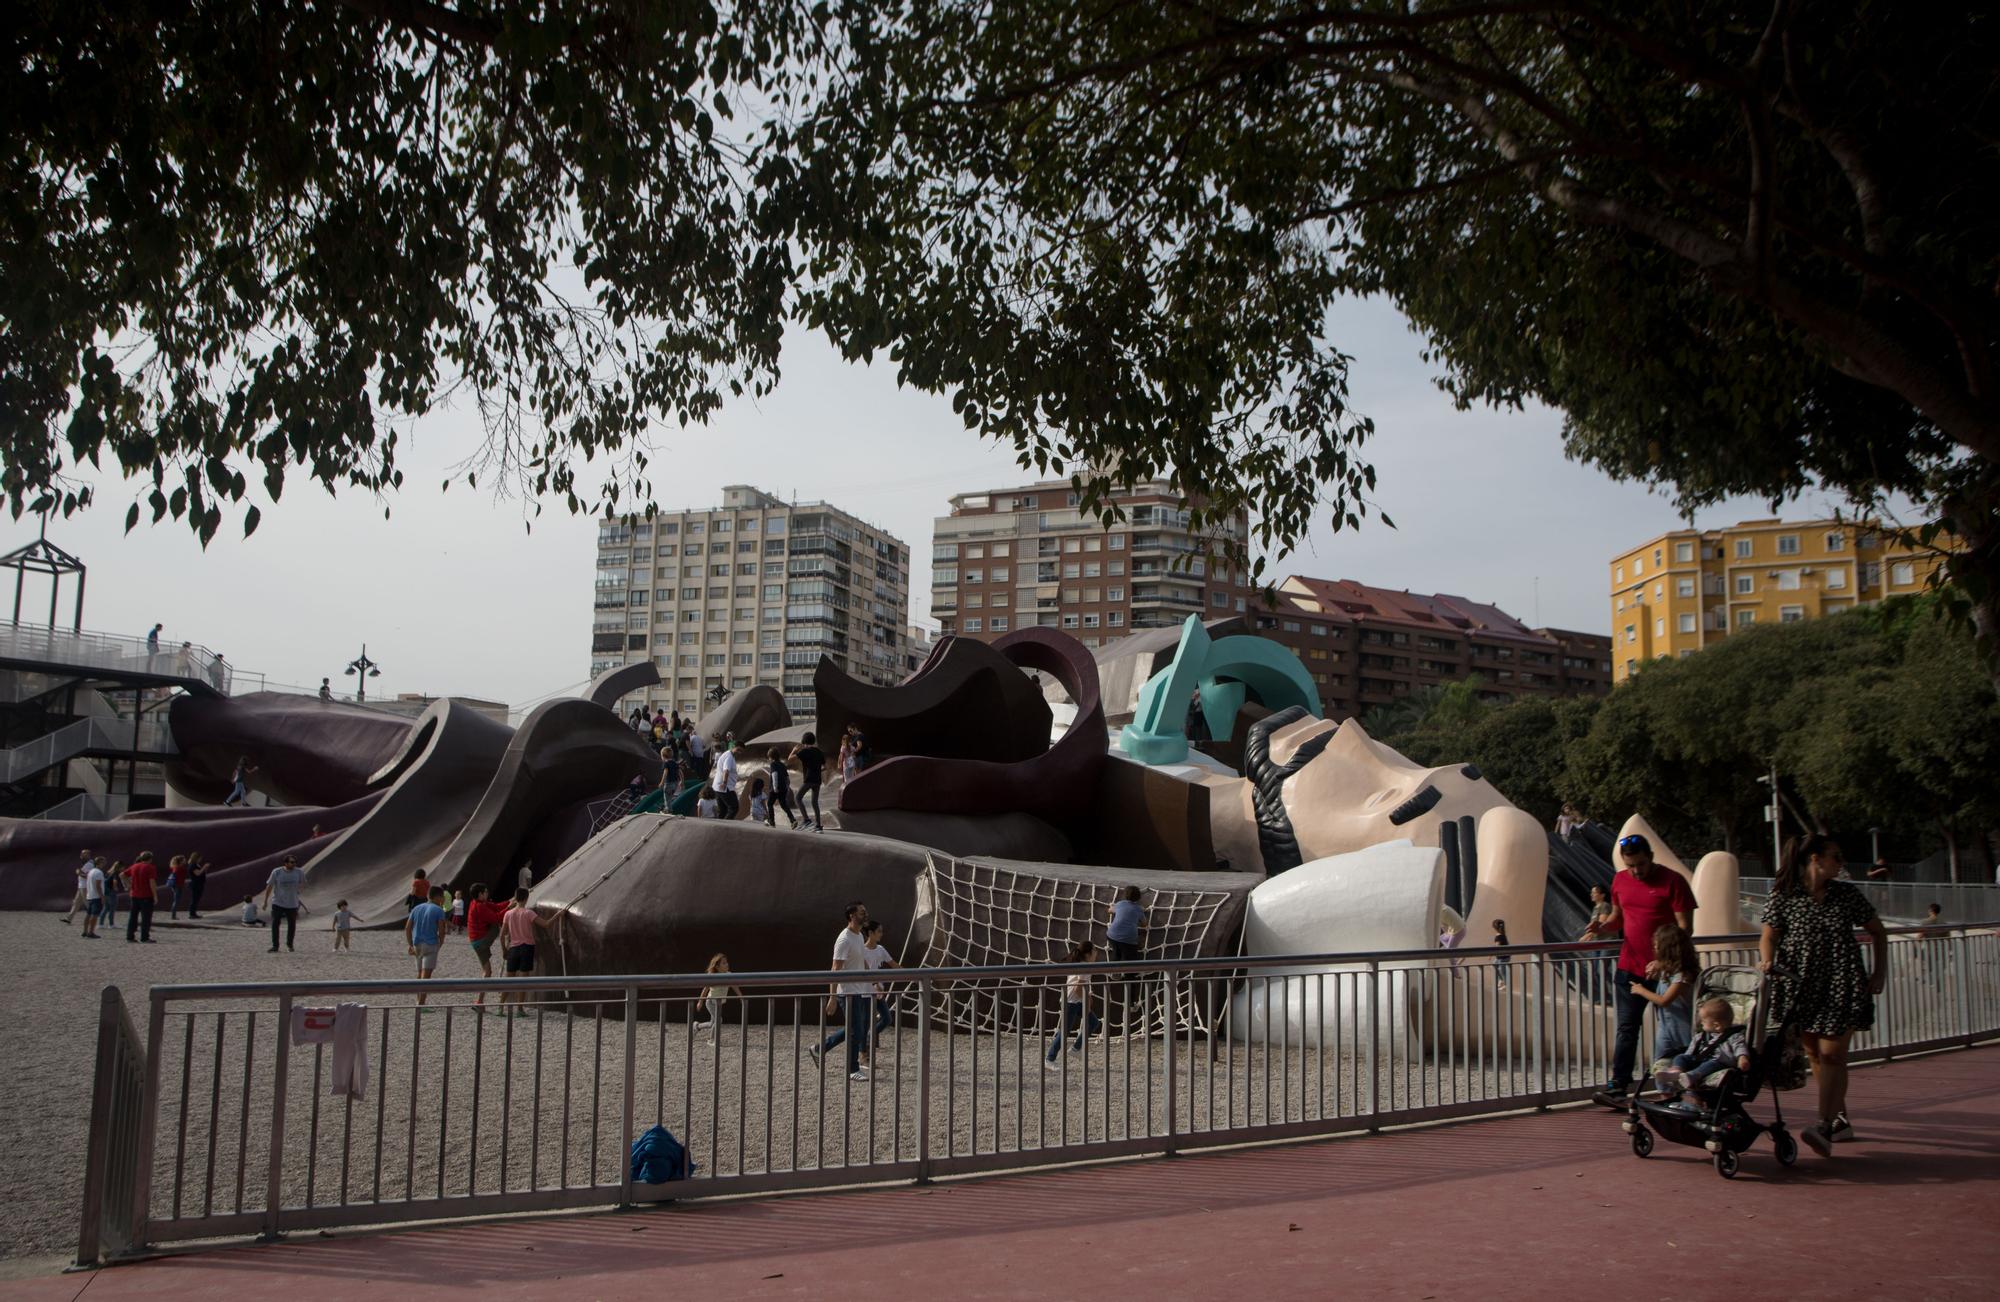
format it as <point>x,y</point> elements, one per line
<point>986,915</point>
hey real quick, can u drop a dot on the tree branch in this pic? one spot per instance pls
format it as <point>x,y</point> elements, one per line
<point>424,16</point>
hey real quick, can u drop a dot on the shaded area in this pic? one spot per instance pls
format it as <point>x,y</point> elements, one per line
<point>306,751</point>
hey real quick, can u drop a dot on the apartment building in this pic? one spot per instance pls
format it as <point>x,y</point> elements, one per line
<point>1366,646</point>
<point>1675,594</point>
<point>1010,558</point>
<point>754,590</point>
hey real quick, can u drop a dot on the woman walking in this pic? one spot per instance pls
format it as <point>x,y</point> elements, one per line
<point>1820,985</point>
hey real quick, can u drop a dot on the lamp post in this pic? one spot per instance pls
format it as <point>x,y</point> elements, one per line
<point>361,668</point>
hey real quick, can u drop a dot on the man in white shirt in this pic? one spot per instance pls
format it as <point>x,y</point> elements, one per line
<point>93,897</point>
<point>850,954</point>
<point>724,781</point>
<point>698,748</point>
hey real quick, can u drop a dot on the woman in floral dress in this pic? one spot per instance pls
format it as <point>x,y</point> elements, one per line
<point>1821,986</point>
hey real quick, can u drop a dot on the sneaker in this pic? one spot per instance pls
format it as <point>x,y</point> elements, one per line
<point>859,1075</point>
<point>1840,1130</point>
<point>1050,1064</point>
<point>1814,1137</point>
<point>274,949</point>
<point>812,1051</point>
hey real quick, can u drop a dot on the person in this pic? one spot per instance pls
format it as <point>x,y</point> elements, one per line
<point>526,877</point>
<point>670,771</point>
<point>184,661</point>
<point>1600,913</point>
<point>250,918</point>
<point>875,957</point>
<point>153,645</point>
<point>1932,959</point>
<point>1568,821</point>
<point>860,758</point>
<point>1644,897</point>
<point>760,801</point>
<point>1125,937</point>
<point>420,891</point>
<point>519,926</point>
<point>96,887</point>
<point>114,886</point>
<point>698,751</point>
<point>845,756</point>
<point>1880,871</point>
<point>176,885</point>
<point>457,910</point>
<point>812,765</point>
<point>706,805</point>
<point>316,833</point>
<point>343,923</point>
<point>1719,1045</point>
<point>281,897</point>
<point>326,689</point>
<point>217,673</point>
<point>239,782</point>
<point>197,870</point>
<point>723,779</point>
<point>142,879</point>
<point>482,927</point>
<point>1822,987</point>
<point>710,999</point>
<point>1076,1005</point>
<point>1669,988</point>
<point>1501,963</point>
<point>80,902</point>
<point>854,997</point>
<point>423,932</point>
<point>781,793</point>
<point>1451,936</point>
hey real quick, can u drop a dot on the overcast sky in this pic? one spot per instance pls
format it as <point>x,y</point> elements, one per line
<point>453,596</point>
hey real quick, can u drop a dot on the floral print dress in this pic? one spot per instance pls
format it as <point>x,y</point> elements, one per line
<point>1823,986</point>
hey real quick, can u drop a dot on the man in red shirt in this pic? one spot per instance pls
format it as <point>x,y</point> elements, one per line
<point>1644,898</point>
<point>141,880</point>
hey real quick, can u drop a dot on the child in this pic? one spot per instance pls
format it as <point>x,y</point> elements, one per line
<point>482,928</point>
<point>519,927</point>
<point>1076,1005</point>
<point>1126,936</point>
<point>343,919</point>
<point>250,918</point>
<point>1718,1046</point>
<point>420,891</point>
<point>877,957</point>
<point>706,805</point>
<point>711,996</point>
<point>1672,973</point>
<point>1500,961</point>
<point>781,793</point>
<point>457,911</point>
<point>760,802</point>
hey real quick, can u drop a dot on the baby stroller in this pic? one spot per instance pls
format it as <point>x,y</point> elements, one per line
<point>1711,1115</point>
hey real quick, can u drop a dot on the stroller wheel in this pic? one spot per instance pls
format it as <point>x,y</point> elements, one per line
<point>1642,1141</point>
<point>1785,1148</point>
<point>1725,1164</point>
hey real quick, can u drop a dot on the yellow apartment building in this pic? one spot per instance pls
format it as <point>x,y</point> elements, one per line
<point>1677,593</point>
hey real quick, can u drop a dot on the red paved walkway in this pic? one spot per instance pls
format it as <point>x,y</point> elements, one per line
<point>1547,1206</point>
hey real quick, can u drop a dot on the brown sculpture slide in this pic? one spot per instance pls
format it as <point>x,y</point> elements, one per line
<point>966,702</point>
<point>305,751</point>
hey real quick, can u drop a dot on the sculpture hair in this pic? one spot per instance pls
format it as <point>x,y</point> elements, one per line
<point>1275,837</point>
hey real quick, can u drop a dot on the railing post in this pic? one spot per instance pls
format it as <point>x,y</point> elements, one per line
<point>97,1148</point>
<point>1172,1008</point>
<point>1541,994</point>
<point>631,1088</point>
<point>1960,956</point>
<point>1374,1007</point>
<point>923,1081</point>
<point>274,1176</point>
<point>149,1110</point>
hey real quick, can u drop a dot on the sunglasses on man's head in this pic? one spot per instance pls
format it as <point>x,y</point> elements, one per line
<point>1632,843</point>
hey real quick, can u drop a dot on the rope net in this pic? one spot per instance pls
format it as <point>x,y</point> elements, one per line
<point>986,915</point>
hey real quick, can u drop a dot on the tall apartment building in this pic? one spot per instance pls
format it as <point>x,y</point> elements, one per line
<point>751,591</point>
<point>1011,558</point>
<point>1674,594</point>
<point>1366,646</point>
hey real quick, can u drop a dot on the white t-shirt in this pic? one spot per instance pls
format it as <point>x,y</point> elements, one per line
<point>93,885</point>
<point>697,745</point>
<point>877,958</point>
<point>725,772</point>
<point>760,807</point>
<point>707,809</point>
<point>851,954</point>
<point>1076,987</point>
<point>343,919</point>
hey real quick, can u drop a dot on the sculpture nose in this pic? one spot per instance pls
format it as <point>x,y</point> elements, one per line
<point>1421,803</point>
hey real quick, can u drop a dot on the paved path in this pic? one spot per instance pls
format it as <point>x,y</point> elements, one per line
<point>1517,1207</point>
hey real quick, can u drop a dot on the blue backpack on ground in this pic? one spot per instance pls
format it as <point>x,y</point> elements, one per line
<point>658,1157</point>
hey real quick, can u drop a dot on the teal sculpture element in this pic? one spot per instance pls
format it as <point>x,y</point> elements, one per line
<point>1224,673</point>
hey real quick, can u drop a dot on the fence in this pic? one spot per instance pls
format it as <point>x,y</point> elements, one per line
<point>239,1131</point>
<point>1907,901</point>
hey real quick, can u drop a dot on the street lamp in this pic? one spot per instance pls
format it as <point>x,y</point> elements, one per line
<point>717,693</point>
<point>362,669</point>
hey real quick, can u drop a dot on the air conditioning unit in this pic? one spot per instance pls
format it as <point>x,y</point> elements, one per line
<point>1807,570</point>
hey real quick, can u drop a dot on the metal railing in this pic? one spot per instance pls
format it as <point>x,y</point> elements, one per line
<point>1908,901</point>
<point>98,732</point>
<point>115,652</point>
<point>467,1113</point>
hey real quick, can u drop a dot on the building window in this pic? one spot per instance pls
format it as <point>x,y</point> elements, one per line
<point>1791,614</point>
<point>775,524</point>
<point>1002,549</point>
<point>1683,587</point>
<point>1685,623</point>
<point>1788,580</point>
<point>974,626</point>
<point>1684,551</point>
<point>1093,544</point>
<point>1745,618</point>
<point>1745,548</point>
<point>1114,594</point>
<point>1638,566</point>
<point>1836,541</point>
<point>1902,573</point>
<point>1788,544</point>
<point>1218,598</point>
<point>999,624</point>
<point>1745,585</point>
<point>975,576</point>
<point>974,600</point>
<point>1631,633</point>
<point>1090,621</point>
<point>1317,630</point>
<point>1069,621</point>
<point>1659,628</point>
<point>696,527</point>
<point>1091,569</point>
<point>1290,626</point>
<point>1116,619</point>
<point>1618,574</point>
<point>1836,577</point>
<point>1658,558</point>
<point>1117,542</point>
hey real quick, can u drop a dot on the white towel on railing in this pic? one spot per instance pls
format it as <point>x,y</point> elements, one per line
<point>346,1029</point>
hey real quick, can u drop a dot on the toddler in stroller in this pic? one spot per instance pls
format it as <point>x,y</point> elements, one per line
<point>1724,1067</point>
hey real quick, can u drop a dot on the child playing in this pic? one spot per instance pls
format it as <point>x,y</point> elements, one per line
<point>343,919</point>
<point>250,918</point>
<point>877,957</point>
<point>1076,1005</point>
<point>711,996</point>
<point>760,802</point>
<point>1718,1046</point>
<point>1672,973</point>
<point>706,805</point>
<point>518,928</point>
<point>457,910</point>
<point>1500,961</point>
<point>482,928</point>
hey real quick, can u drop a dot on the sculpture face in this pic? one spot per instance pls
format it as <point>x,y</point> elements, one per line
<point>1347,791</point>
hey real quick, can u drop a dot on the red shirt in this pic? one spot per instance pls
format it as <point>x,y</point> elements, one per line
<point>482,916</point>
<point>1645,908</point>
<point>420,887</point>
<point>139,879</point>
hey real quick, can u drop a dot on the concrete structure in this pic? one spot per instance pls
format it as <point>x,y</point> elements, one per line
<point>1366,646</point>
<point>751,591</point>
<point>1674,594</point>
<point>1014,558</point>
